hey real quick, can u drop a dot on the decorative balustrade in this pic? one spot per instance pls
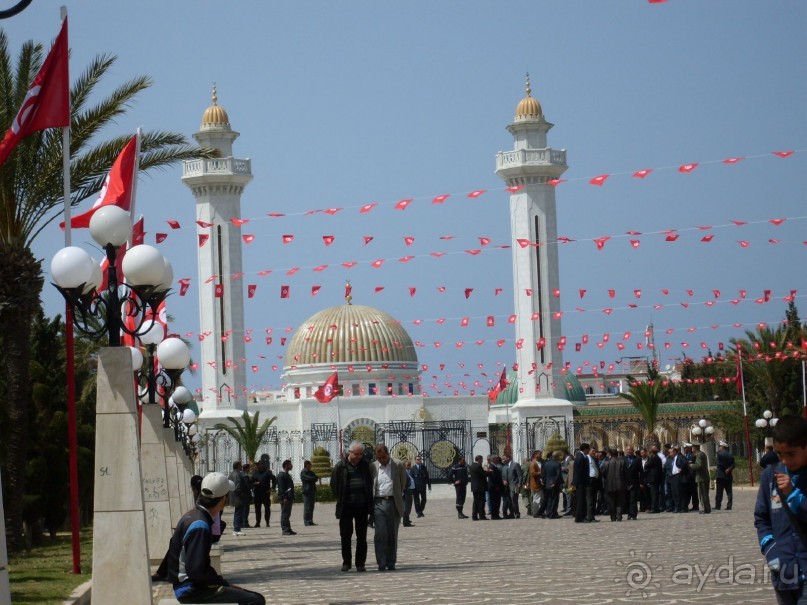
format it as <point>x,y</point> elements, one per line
<point>520,157</point>
<point>203,167</point>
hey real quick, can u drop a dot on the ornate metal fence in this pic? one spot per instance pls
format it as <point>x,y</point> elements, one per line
<point>219,450</point>
<point>440,444</point>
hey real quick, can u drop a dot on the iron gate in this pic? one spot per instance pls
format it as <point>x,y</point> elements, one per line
<point>440,444</point>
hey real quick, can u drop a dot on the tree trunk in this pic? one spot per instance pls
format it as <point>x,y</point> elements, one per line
<point>20,286</point>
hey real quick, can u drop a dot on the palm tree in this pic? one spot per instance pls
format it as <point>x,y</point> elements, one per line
<point>249,434</point>
<point>31,196</point>
<point>646,397</point>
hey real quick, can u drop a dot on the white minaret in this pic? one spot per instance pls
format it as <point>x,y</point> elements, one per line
<point>217,185</point>
<point>533,224</point>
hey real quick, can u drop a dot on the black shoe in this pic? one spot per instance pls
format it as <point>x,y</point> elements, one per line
<point>728,508</point>
<point>158,578</point>
<point>289,533</point>
<point>463,516</point>
<point>419,515</point>
<point>483,518</point>
<point>257,525</point>
<point>382,568</point>
<point>360,568</point>
<point>410,524</point>
<point>717,508</point>
<point>391,567</point>
<point>346,567</point>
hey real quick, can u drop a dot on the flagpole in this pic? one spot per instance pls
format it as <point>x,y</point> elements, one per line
<point>745,416</point>
<point>70,366</point>
<point>339,427</point>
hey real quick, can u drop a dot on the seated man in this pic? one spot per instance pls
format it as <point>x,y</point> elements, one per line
<point>189,569</point>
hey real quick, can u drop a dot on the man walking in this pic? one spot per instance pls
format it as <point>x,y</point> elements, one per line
<point>723,476</point>
<point>553,482</point>
<point>458,475</point>
<point>189,569</point>
<point>700,469</point>
<point>422,481</point>
<point>239,498</point>
<point>389,482</point>
<point>409,495</point>
<point>285,493</point>
<point>309,479</point>
<point>352,485</point>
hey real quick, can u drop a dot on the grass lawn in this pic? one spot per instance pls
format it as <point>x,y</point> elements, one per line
<point>44,576</point>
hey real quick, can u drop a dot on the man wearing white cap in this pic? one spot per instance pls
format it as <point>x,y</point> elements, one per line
<point>189,569</point>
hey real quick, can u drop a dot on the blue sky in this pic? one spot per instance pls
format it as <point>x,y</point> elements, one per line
<point>341,104</point>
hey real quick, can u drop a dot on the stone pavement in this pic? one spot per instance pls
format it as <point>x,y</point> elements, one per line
<point>660,559</point>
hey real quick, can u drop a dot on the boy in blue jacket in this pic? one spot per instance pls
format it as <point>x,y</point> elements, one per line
<point>780,515</point>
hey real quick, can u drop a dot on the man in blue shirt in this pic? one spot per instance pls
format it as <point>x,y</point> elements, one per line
<point>780,515</point>
<point>189,569</point>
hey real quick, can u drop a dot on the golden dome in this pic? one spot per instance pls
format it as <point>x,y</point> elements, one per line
<point>215,114</point>
<point>350,334</point>
<point>528,107</point>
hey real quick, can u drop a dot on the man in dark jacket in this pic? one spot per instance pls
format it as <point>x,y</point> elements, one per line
<point>479,485</point>
<point>352,485</point>
<point>285,493</point>
<point>422,481</point>
<point>780,514</point>
<point>309,479</point>
<point>189,569</point>
<point>581,479</point>
<point>613,478</point>
<point>263,482</point>
<point>458,475</point>
<point>654,477</point>
<point>495,486</point>
<point>723,476</point>
<point>553,482</point>
<point>634,479</point>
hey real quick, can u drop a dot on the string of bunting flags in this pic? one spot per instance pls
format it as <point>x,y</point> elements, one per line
<point>597,180</point>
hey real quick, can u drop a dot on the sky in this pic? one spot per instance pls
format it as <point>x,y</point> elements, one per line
<point>343,104</point>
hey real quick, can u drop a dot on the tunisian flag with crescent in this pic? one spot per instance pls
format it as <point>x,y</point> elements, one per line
<point>118,186</point>
<point>329,390</point>
<point>47,103</point>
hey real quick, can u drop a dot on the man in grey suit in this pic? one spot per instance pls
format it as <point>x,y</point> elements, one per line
<point>511,473</point>
<point>389,483</point>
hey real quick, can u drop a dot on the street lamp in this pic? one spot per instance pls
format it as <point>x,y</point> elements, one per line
<point>703,430</point>
<point>78,276</point>
<point>183,419</point>
<point>172,356</point>
<point>767,422</point>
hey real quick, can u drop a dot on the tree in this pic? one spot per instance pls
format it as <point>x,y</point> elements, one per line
<point>249,434</point>
<point>646,397</point>
<point>31,195</point>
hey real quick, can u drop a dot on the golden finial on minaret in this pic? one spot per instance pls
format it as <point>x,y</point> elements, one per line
<point>216,98</point>
<point>215,114</point>
<point>529,89</point>
<point>348,290</point>
<point>529,108</point>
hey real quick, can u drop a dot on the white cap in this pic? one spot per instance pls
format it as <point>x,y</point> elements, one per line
<point>216,485</point>
<point>687,444</point>
<point>723,443</point>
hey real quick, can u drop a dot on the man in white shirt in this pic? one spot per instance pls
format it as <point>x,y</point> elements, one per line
<point>389,483</point>
<point>593,487</point>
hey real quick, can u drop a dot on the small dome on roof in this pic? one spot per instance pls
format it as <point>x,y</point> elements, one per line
<point>528,107</point>
<point>215,114</point>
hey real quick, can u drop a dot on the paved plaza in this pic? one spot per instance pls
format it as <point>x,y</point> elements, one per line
<point>660,559</point>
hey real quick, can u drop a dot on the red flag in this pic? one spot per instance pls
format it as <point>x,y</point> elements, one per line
<point>47,103</point>
<point>284,291</point>
<point>287,239</point>
<point>367,208</point>
<point>218,290</point>
<point>640,174</point>
<point>329,390</point>
<point>468,292</point>
<point>118,186</point>
<point>160,237</point>
<point>409,240</point>
<point>251,290</point>
<point>687,167</point>
<point>402,204</point>
<point>328,239</point>
<point>500,386</point>
<point>315,290</point>
<point>173,224</point>
<point>440,198</point>
<point>599,180</point>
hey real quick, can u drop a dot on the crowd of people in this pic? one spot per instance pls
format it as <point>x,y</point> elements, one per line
<point>618,484</point>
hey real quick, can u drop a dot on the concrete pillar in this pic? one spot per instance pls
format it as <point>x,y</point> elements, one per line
<point>120,562</point>
<point>155,481</point>
<point>175,506</point>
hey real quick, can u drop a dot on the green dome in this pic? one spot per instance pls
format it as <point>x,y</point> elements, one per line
<point>574,391</point>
